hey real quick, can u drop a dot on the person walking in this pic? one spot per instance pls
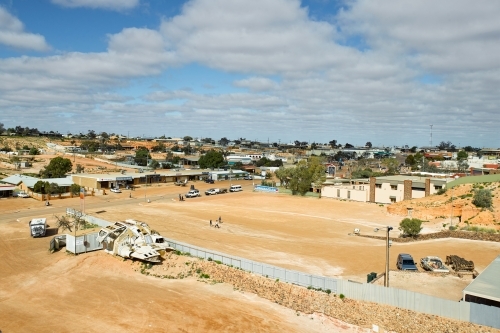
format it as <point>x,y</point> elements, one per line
<point>220,219</point>
<point>180,198</point>
<point>210,222</point>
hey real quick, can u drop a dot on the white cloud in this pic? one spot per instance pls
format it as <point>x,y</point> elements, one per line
<point>254,36</point>
<point>104,4</point>
<point>256,84</point>
<point>444,36</point>
<point>13,35</point>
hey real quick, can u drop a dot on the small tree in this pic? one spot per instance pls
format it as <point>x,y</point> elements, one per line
<point>66,223</point>
<point>75,189</point>
<point>154,164</point>
<point>57,168</point>
<point>410,227</point>
<point>482,198</point>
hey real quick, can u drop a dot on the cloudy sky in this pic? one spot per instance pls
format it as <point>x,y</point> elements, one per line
<point>316,70</point>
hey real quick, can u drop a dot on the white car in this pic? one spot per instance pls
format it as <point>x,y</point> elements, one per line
<point>23,195</point>
<point>193,194</point>
<point>116,190</point>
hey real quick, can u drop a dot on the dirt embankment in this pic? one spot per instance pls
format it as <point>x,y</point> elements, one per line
<point>461,206</point>
<point>309,301</point>
<point>443,234</point>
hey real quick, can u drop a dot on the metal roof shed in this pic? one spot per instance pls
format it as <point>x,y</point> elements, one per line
<point>485,289</point>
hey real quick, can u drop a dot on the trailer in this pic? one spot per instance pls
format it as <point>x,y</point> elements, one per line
<point>38,227</point>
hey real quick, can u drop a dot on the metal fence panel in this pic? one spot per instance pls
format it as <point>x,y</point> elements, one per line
<point>485,315</point>
<point>280,273</point>
<point>292,276</point>
<point>479,314</point>
<point>304,279</point>
<point>246,265</point>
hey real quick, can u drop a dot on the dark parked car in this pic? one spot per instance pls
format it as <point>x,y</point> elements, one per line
<point>405,262</point>
<point>209,181</point>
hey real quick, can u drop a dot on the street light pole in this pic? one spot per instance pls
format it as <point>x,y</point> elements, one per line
<point>387,245</point>
<point>386,280</point>
<point>451,213</point>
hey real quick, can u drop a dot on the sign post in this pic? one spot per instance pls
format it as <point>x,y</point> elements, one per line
<point>82,200</point>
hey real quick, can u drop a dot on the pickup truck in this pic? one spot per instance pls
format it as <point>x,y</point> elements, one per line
<point>212,191</point>
<point>181,183</point>
<point>193,194</point>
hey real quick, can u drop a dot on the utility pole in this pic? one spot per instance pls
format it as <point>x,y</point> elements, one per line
<point>431,137</point>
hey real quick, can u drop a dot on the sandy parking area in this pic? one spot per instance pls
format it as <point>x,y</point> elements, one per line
<point>306,234</point>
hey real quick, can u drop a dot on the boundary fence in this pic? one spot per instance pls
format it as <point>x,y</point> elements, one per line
<point>405,299</point>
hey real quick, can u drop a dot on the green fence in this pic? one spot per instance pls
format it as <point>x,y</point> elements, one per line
<point>474,180</point>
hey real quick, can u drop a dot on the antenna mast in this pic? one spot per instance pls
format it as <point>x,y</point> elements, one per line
<point>431,136</point>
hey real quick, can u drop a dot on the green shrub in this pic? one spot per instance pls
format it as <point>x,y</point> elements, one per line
<point>410,227</point>
<point>341,296</point>
<point>482,198</point>
<point>441,191</point>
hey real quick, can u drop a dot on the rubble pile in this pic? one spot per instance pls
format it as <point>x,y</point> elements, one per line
<point>482,236</point>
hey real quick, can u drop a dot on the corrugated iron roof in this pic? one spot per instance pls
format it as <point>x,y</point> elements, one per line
<point>486,285</point>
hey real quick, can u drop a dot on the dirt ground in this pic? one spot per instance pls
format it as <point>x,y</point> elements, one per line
<point>96,290</point>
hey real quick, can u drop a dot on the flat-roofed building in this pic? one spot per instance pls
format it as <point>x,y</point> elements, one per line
<point>485,289</point>
<point>388,189</point>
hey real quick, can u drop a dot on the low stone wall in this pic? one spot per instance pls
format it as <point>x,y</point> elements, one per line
<point>363,314</point>
<point>482,236</point>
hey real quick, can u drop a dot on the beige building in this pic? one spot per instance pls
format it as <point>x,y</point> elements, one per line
<point>387,189</point>
<point>100,182</point>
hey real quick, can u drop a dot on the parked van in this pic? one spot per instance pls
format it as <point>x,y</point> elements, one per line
<point>235,188</point>
<point>38,227</point>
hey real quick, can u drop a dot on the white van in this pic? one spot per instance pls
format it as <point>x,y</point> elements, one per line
<point>235,188</point>
<point>38,227</point>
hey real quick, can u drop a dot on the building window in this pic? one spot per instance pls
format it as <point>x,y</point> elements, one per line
<point>378,185</point>
<point>438,187</point>
<point>338,193</point>
<point>348,194</point>
<point>394,187</point>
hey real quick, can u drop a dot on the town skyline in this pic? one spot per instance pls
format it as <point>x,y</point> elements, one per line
<point>280,71</point>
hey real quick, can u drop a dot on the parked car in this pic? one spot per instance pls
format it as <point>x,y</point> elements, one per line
<point>23,195</point>
<point>212,191</point>
<point>405,262</point>
<point>209,181</point>
<point>115,190</point>
<point>248,177</point>
<point>193,194</point>
<point>433,264</point>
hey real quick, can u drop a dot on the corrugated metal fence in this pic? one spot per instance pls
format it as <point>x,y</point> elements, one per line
<point>405,299</point>
<point>273,272</point>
